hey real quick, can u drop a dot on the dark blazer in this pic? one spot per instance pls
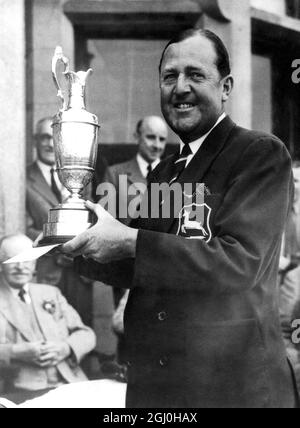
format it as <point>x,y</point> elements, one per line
<point>39,200</point>
<point>132,171</point>
<point>202,321</point>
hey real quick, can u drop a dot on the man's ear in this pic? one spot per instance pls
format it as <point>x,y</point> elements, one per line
<point>228,84</point>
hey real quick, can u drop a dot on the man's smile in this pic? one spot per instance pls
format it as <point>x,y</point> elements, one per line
<point>183,106</point>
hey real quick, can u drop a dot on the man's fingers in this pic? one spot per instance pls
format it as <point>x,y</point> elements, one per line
<point>76,244</point>
<point>37,241</point>
<point>91,206</point>
<point>97,209</point>
<point>50,363</point>
<point>47,349</point>
<point>47,357</point>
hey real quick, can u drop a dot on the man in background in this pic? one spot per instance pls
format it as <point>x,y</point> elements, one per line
<point>151,136</point>
<point>42,338</point>
<point>43,192</point>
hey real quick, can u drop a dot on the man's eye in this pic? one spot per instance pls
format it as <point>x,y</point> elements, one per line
<point>197,76</point>
<point>169,77</point>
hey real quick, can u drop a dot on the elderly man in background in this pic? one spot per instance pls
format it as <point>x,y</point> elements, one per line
<point>42,338</point>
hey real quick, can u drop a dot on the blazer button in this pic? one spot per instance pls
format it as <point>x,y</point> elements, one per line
<point>163,361</point>
<point>162,316</point>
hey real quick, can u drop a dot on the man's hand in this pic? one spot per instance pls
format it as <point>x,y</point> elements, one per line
<point>53,353</point>
<point>107,241</point>
<point>27,352</point>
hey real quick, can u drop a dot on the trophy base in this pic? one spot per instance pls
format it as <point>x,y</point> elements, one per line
<point>65,222</point>
<point>55,240</point>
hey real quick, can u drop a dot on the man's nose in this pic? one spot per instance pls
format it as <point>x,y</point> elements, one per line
<point>51,142</point>
<point>157,143</point>
<point>19,266</point>
<point>182,85</point>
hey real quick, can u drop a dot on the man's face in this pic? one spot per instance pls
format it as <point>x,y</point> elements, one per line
<point>17,274</point>
<point>192,90</point>
<point>45,147</point>
<point>152,139</point>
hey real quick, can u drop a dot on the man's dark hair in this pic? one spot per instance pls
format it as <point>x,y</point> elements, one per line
<point>223,61</point>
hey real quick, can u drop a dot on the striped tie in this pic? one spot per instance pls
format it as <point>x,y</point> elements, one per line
<point>180,163</point>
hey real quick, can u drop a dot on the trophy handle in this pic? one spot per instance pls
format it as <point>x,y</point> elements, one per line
<point>59,57</point>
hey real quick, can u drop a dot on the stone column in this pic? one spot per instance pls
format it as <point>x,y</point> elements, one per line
<point>49,28</point>
<point>12,117</point>
<point>231,20</point>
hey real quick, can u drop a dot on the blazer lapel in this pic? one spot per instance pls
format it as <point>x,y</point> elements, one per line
<point>45,320</point>
<point>207,153</point>
<point>15,313</point>
<point>134,173</point>
<point>195,171</point>
<point>41,186</point>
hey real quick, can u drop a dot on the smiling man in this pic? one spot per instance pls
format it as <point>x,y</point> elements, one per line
<point>202,324</point>
<point>42,338</point>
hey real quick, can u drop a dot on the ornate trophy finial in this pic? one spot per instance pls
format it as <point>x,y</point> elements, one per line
<point>59,57</point>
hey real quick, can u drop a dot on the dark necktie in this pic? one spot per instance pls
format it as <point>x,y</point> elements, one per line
<point>54,187</point>
<point>180,163</point>
<point>149,169</point>
<point>22,294</point>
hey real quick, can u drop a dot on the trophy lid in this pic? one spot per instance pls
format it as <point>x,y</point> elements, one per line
<point>76,89</point>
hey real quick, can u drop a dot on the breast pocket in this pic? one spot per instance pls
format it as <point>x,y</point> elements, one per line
<point>195,220</point>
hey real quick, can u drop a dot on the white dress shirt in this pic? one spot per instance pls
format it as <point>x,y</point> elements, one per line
<point>195,145</point>
<point>143,165</point>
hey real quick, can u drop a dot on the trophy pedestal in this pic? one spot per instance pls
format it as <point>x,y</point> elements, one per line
<point>65,222</point>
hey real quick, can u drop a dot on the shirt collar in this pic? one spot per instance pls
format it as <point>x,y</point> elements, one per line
<point>143,165</point>
<point>16,291</point>
<point>46,169</point>
<point>195,145</point>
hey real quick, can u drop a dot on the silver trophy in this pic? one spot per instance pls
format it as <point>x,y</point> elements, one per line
<point>75,134</point>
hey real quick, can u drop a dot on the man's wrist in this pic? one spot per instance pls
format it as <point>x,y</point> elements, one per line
<point>67,350</point>
<point>130,242</point>
<point>14,352</point>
